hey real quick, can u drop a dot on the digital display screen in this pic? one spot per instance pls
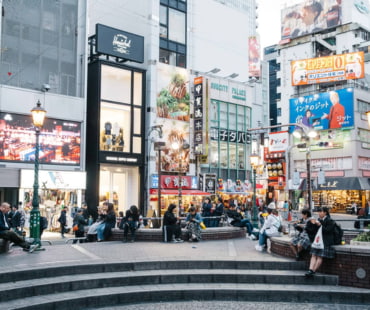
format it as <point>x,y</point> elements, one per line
<point>60,140</point>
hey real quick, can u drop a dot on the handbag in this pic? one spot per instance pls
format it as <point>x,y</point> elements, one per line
<point>75,227</point>
<point>202,225</point>
<point>318,243</point>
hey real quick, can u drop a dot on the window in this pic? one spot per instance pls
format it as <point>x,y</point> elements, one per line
<point>278,111</point>
<point>172,33</point>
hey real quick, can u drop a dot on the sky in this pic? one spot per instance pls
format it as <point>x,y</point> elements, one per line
<point>269,20</point>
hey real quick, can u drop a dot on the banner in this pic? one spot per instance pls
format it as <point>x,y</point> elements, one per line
<point>324,110</point>
<point>310,17</point>
<point>328,69</point>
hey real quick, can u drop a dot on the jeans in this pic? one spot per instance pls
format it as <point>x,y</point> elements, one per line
<point>262,239</point>
<point>132,226</point>
<point>247,224</point>
<point>100,231</point>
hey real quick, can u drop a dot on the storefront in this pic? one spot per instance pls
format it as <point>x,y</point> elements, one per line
<point>57,189</point>
<point>339,193</point>
<point>116,121</point>
<point>170,191</point>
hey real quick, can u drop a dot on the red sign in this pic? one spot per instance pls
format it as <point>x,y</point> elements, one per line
<point>173,181</point>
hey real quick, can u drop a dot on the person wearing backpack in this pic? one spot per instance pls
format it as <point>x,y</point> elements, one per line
<point>317,255</point>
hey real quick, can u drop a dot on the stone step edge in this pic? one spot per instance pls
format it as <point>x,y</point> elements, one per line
<point>172,292</point>
<point>160,272</point>
<point>48,271</point>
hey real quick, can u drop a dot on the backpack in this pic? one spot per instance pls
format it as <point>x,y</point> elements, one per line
<point>338,234</point>
<point>43,222</point>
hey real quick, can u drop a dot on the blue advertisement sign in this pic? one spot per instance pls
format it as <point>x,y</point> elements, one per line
<point>330,110</point>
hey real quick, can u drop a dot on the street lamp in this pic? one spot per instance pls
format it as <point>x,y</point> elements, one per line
<point>38,116</point>
<point>176,146</point>
<point>158,146</point>
<point>254,160</point>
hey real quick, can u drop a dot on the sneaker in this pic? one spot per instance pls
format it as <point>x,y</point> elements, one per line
<point>178,240</point>
<point>258,248</point>
<point>252,237</point>
<point>255,230</point>
<point>33,247</point>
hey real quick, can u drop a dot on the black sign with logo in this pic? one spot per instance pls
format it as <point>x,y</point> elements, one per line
<point>118,43</point>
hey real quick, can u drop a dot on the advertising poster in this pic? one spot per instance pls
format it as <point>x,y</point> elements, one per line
<point>174,157</point>
<point>59,140</point>
<point>173,99</point>
<point>254,57</point>
<point>310,16</point>
<point>328,69</point>
<point>330,110</point>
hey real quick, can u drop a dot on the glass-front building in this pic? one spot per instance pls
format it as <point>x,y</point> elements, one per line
<point>114,160</point>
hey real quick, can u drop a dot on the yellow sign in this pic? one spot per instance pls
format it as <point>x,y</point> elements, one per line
<point>328,69</point>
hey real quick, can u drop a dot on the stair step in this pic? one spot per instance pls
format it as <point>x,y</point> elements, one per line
<point>175,292</point>
<point>44,286</point>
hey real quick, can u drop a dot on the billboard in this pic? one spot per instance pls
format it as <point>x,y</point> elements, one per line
<point>310,16</point>
<point>328,110</point>
<point>59,140</point>
<point>328,69</point>
<point>254,57</point>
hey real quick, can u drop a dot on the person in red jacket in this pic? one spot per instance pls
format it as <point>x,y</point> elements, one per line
<point>337,112</point>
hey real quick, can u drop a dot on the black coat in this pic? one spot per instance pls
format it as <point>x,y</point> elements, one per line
<point>169,218</point>
<point>311,230</point>
<point>16,219</point>
<point>63,218</point>
<point>327,231</point>
<point>206,209</point>
<point>110,222</point>
<point>3,218</point>
<point>219,210</point>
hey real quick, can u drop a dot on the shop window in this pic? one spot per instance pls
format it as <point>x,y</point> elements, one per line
<point>115,127</point>
<point>176,25</point>
<point>214,154</point>
<point>241,119</point>
<point>136,143</point>
<point>223,115</point>
<point>232,156</point>
<point>138,88</point>
<point>137,121</point>
<point>241,156</point>
<point>116,84</point>
<point>214,112</point>
<point>223,155</point>
<point>232,116</point>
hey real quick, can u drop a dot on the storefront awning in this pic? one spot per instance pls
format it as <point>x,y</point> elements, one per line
<point>175,192</point>
<point>332,184</point>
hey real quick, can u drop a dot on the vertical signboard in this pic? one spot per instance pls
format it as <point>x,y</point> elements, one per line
<point>198,115</point>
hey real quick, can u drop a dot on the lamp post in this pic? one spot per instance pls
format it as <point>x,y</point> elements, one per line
<point>306,133</point>
<point>176,146</point>
<point>254,159</point>
<point>38,116</point>
<point>158,146</point>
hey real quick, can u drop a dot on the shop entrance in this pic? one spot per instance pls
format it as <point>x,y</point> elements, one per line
<point>119,185</point>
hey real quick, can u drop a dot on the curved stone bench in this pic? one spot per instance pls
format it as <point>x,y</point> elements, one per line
<point>351,263</point>
<point>155,234</point>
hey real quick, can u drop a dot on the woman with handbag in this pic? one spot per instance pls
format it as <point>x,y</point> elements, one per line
<point>324,239</point>
<point>307,230</point>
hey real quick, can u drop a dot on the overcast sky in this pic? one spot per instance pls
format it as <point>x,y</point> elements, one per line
<point>269,20</point>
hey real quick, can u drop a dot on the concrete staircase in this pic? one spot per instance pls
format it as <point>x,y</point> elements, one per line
<point>100,285</point>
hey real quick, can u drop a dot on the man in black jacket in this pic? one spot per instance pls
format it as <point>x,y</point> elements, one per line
<point>63,221</point>
<point>16,220</point>
<point>171,225</point>
<point>7,234</point>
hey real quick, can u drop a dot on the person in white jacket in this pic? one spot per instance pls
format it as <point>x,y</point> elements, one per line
<point>270,228</point>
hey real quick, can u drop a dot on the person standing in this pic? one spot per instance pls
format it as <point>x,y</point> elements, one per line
<point>207,211</point>
<point>337,112</point>
<point>81,222</point>
<point>7,234</point>
<point>63,221</point>
<point>317,255</point>
<point>219,211</point>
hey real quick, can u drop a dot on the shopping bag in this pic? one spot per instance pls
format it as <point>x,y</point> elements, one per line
<point>202,225</point>
<point>318,243</point>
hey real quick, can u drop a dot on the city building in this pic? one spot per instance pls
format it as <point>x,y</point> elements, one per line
<point>324,72</point>
<point>43,58</point>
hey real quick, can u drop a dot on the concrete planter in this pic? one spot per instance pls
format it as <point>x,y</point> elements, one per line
<point>361,243</point>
